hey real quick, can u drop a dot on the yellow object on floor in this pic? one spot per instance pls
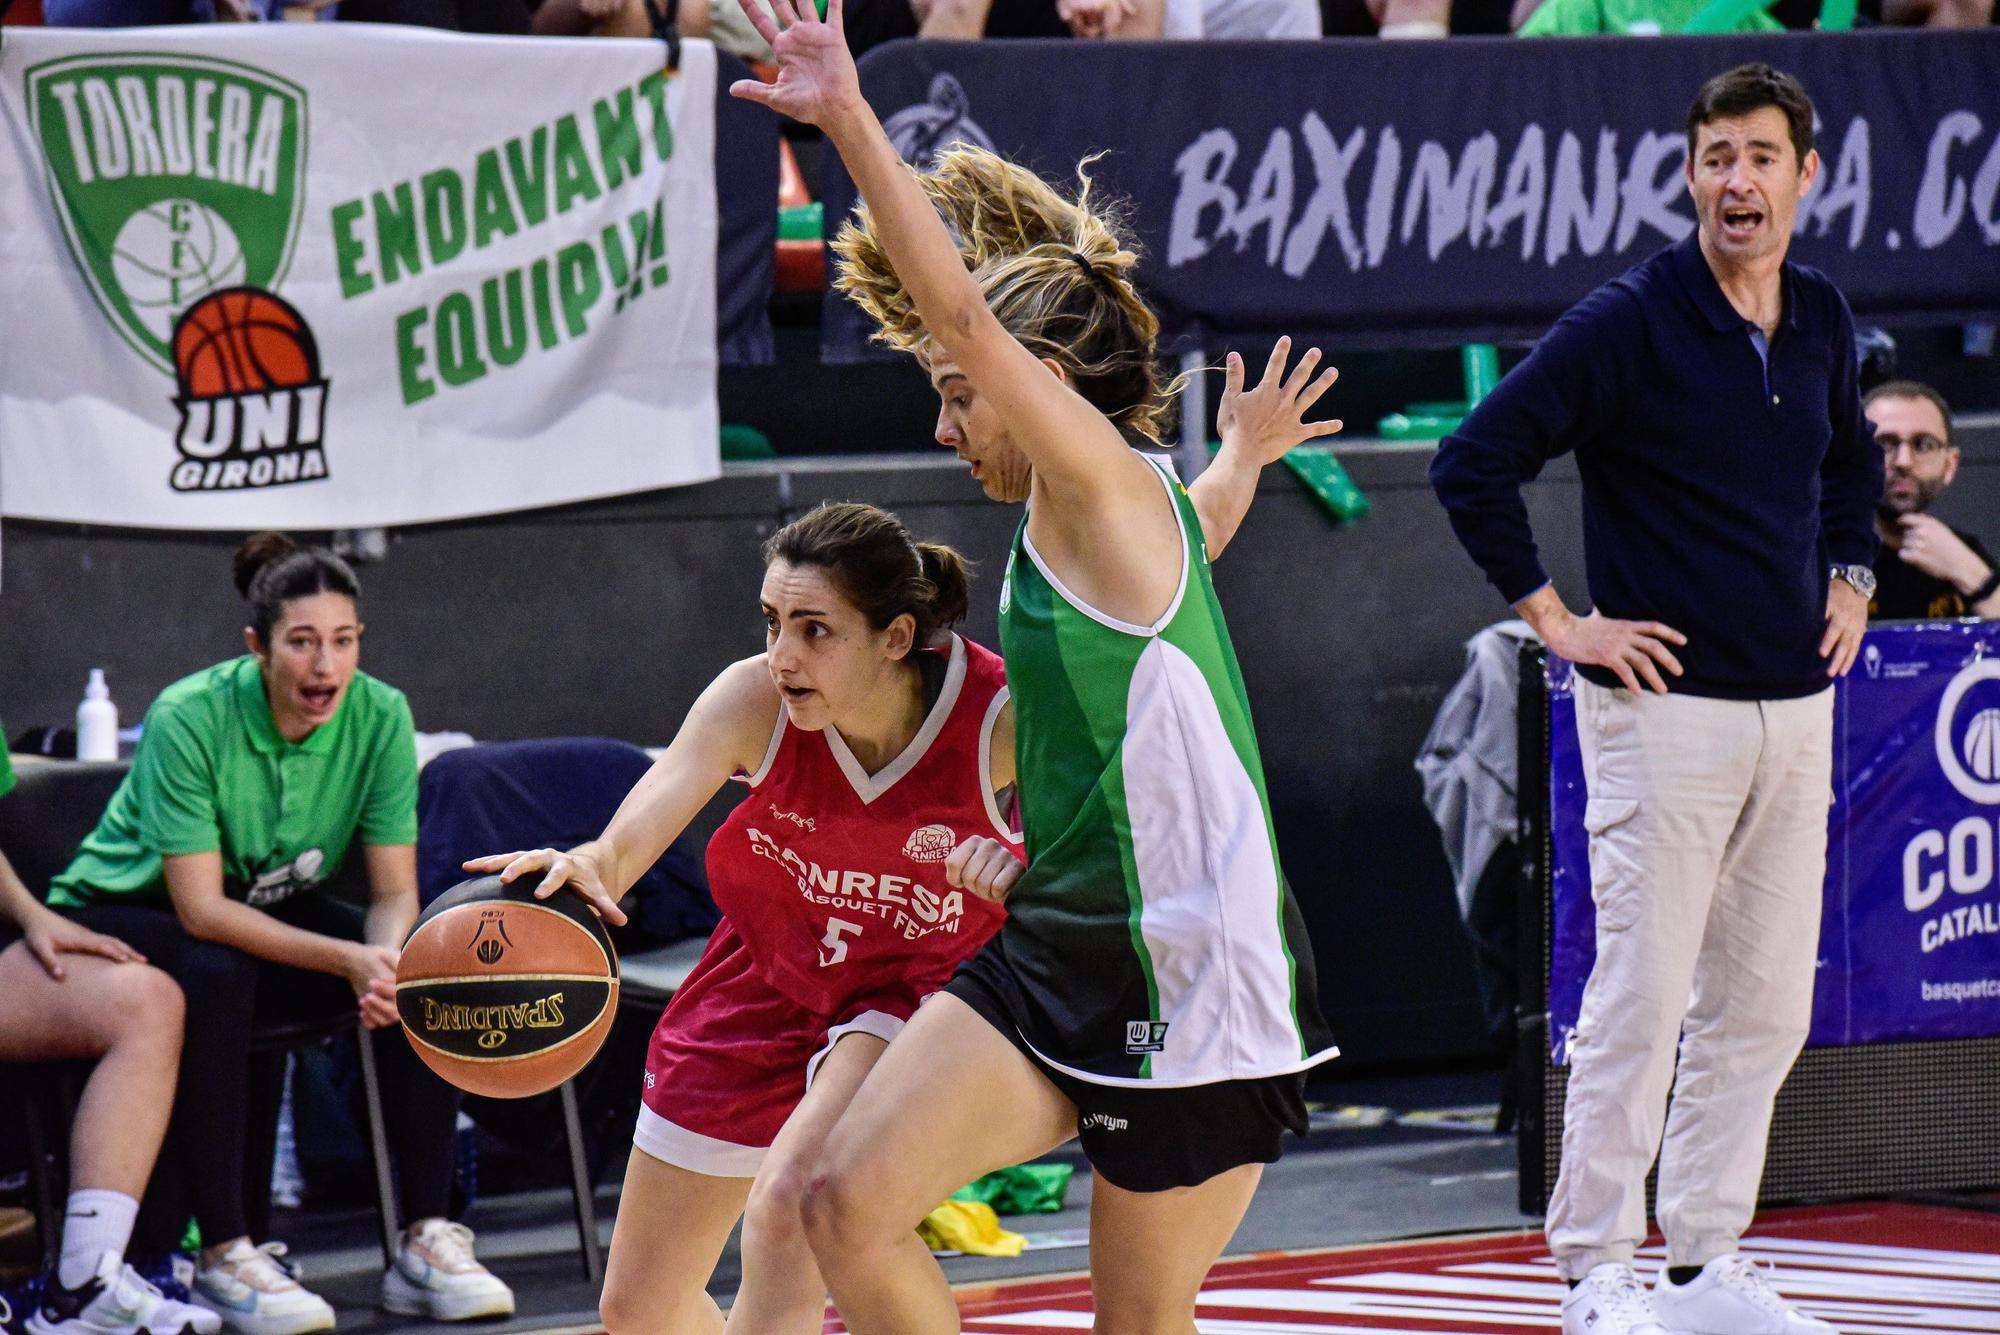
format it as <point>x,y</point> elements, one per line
<point>969,1227</point>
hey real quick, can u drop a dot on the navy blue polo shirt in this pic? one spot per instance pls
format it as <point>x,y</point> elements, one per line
<point>1720,480</point>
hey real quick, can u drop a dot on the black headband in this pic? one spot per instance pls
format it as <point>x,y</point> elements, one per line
<point>1093,273</point>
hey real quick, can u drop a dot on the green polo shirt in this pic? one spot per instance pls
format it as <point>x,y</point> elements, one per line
<point>212,773</point>
<point>1576,18</point>
<point>6,765</point>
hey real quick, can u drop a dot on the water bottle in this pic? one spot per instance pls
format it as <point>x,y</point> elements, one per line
<point>97,721</point>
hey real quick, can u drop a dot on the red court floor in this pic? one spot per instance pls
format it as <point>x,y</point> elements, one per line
<point>1868,1269</point>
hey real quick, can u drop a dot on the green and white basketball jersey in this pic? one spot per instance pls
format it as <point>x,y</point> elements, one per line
<point>1153,935</point>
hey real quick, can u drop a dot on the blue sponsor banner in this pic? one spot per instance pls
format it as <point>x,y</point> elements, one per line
<point>1910,934</point>
<point>1427,191</point>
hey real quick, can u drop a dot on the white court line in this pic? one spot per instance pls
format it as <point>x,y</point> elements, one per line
<point>1550,1292</point>
<point>1400,1307</point>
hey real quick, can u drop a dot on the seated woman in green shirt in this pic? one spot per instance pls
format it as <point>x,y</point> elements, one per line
<point>253,780</point>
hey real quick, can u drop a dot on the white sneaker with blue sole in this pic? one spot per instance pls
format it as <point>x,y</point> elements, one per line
<point>437,1276</point>
<point>256,1292</point>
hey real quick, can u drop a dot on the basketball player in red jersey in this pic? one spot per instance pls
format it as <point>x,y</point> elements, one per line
<point>873,741</point>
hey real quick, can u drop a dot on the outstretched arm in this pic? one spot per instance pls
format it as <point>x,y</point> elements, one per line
<point>726,732</point>
<point>1073,447</point>
<point>1257,428</point>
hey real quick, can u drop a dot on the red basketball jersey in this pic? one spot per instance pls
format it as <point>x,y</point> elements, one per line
<point>834,878</point>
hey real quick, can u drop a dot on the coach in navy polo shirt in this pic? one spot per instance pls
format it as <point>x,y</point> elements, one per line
<point>1729,487</point>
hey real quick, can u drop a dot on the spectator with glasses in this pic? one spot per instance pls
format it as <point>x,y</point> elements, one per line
<point>1925,568</point>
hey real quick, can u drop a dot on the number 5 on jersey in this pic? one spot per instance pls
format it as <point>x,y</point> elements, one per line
<point>837,930</point>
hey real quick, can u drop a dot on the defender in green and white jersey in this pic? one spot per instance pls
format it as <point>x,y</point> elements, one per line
<point>1152,938</point>
<point>1154,994</point>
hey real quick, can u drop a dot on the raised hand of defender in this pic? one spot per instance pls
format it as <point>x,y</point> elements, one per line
<point>816,79</point>
<point>983,867</point>
<point>576,869</point>
<point>1267,421</point>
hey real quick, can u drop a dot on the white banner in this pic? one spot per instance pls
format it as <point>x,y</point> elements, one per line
<point>338,276</point>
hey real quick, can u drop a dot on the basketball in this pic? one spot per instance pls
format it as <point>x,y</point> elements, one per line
<point>242,340</point>
<point>503,994</point>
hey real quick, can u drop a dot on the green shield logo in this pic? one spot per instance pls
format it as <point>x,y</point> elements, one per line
<point>174,175</point>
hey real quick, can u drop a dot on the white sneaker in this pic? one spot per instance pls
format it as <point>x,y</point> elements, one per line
<point>255,1291</point>
<point>1732,1296</point>
<point>1611,1300</point>
<point>117,1300</point>
<point>436,1275</point>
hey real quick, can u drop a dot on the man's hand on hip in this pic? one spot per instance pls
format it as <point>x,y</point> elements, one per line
<point>1846,620</point>
<point>1634,650</point>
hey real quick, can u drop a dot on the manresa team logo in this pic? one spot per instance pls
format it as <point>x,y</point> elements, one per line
<point>930,843</point>
<point>922,131</point>
<point>1968,731</point>
<point>179,180</point>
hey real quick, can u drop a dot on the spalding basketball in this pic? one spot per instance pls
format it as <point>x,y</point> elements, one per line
<point>504,994</point>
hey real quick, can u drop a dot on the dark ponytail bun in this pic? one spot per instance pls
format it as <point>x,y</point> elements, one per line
<point>259,550</point>
<point>950,580</point>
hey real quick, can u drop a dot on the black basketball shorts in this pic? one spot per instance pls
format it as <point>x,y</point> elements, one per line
<point>1146,1139</point>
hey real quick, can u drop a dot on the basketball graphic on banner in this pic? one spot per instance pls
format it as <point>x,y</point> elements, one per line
<point>169,254</point>
<point>1970,758</point>
<point>242,341</point>
<point>1982,745</point>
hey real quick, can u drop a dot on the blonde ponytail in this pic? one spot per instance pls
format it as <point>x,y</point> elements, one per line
<point>1054,271</point>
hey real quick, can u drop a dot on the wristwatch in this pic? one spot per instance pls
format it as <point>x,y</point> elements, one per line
<point>1860,578</point>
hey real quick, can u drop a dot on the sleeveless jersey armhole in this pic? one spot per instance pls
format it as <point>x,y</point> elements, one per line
<point>1168,481</point>
<point>770,753</point>
<point>993,813</point>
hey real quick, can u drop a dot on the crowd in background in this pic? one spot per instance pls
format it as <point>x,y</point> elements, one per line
<point>872,21</point>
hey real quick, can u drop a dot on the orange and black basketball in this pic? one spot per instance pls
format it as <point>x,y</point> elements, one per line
<point>504,994</point>
<point>242,340</point>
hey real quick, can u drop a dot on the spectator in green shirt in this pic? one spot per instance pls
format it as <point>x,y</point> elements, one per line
<point>253,780</point>
<point>1639,18</point>
<point>74,994</point>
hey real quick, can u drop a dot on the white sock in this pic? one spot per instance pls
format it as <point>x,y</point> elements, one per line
<point>97,1221</point>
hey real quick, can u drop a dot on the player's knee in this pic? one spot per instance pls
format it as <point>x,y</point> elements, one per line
<point>774,1215</point>
<point>622,1311</point>
<point>834,1210</point>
